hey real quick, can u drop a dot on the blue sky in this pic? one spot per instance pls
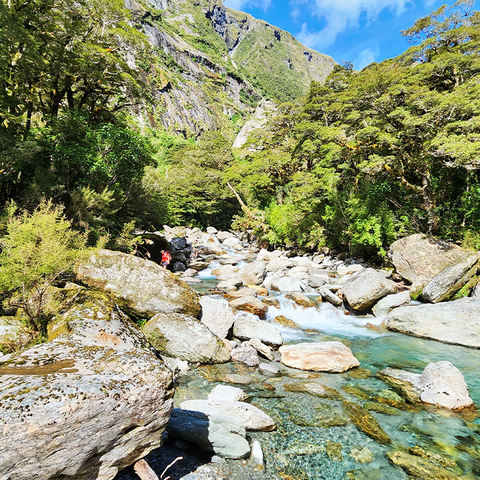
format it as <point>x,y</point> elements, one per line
<point>358,31</point>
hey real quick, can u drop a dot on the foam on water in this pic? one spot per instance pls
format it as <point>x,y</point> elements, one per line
<point>327,319</point>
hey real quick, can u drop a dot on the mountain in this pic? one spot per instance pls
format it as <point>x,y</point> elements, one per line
<point>213,65</point>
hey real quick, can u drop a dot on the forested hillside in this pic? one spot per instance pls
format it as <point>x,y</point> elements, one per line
<point>377,154</point>
<point>127,117</point>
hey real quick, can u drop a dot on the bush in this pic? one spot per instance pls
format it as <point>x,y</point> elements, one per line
<point>37,248</point>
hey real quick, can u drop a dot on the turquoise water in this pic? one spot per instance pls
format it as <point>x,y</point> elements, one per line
<point>316,439</point>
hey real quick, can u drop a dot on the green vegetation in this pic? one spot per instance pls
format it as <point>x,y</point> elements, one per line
<point>36,249</point>
<point>380,153</point>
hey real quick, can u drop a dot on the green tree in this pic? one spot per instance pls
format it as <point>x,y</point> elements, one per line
<point>65,55</point>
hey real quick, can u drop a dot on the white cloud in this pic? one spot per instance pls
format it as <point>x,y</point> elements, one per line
<point>340,15</point>
<point>366,57</point>
<point>239,4</point>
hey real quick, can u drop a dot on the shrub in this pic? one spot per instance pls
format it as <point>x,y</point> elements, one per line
<point>36,249</point>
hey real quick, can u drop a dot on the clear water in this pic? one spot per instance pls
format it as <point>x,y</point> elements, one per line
<point>302,449</point>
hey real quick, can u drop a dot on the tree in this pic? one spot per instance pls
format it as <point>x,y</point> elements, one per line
<point>65,54</point>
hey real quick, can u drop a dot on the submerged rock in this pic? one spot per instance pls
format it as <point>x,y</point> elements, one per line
<point>87,404</point>
<point>142,288</point>
<point>365,422</point>
<point>312,388</point>
<point>211,433</point>
<point>419,467</point>
<point>319,357</point>
<point>365,288</point>
<point>456,322</point>
<point>186,338</point>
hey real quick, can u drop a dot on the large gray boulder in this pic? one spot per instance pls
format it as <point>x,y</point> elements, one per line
<point>217,315</point>
<point>287,284</point>
<point>185,338</point>
<point>419,258</point>
<point>388,303</point>
<point>212,433</point>
<point>444,285</point>
<point>440,384</point>
<point>88,403</point>
<point>253,273</point>
<point>142,288</point>
<point>246,328</point>
<point>456,322</point>
<point>365,288</point>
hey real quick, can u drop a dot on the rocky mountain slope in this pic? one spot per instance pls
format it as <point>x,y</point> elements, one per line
<point>213,64</point>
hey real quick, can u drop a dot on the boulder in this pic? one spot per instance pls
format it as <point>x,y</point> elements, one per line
<point>251,417</point>
<point>349,269</point>
<point>330,297</point>
<point>250,304</point>
<point>444,285</point>
<point>286,284</point>
<point>419,258</point>
<point>261,348</point>
<point>222,236</point>
<point>388,303</point>
<point>246,355</point>
<point>227,393</point>
<point>253,273</point>
<point>88,403</point>
<point>286,322</point>
<point>217,315</point>
<point>441,384</point>
<point>279,264</point>
<point>456,322</point>
<point>212,230</point>
<point>142,288</point>
<point>178,243</point>
<point>185,338</point>
<point>301,299</point>
<point>317,281</point>
<point>229,285</point>
<point>231,242</point>
<point>225,270</point>
<point>247,328</point>
<point>365,288</point>
<point>212,433</point>
<point>319,357</point>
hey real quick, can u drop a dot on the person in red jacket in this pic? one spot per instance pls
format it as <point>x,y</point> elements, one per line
<point>166,258</point>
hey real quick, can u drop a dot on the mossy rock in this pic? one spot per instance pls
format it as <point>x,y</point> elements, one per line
<point>365,422</point>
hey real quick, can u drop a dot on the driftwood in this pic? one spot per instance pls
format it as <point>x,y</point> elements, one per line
<point>242,203</point>
<point>143,470</point>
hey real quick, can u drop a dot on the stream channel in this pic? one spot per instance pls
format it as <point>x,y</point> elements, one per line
<point>315,439</point>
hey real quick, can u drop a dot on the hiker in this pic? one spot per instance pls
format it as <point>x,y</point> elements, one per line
<point>166,258</point>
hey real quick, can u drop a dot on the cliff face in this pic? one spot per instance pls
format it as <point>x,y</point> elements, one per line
<point>213,65</point>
